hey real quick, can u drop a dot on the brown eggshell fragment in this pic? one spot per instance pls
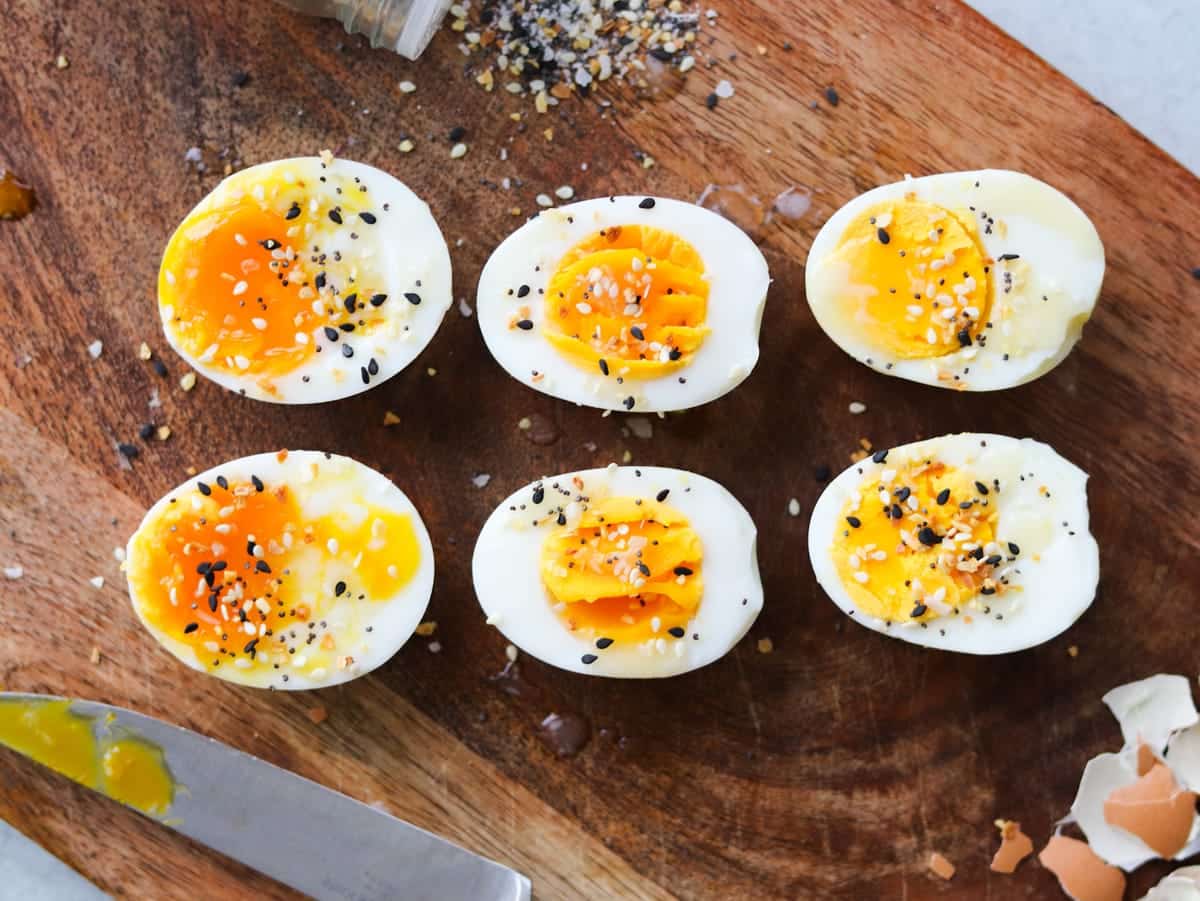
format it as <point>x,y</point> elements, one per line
<point>1146,758</point>
<point>1082,875</point>
<point>1155,809</point>
<point>940,866</point>
<point>1015,846</point>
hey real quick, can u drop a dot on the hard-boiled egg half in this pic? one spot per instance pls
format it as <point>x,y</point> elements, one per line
<point>971,542</point>
<point>286,570</point>
<point>304,280</point>
<point>966,280</point>
<point>624,571</point>
<point>625,303</point>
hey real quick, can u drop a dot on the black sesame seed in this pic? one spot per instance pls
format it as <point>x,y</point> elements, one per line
<point>628,403</point>
<point>662,495</point>
<point>378,299</point>
<point>1013,549</point>
<point>373,367</point>
<point>683,570</point>
<point>331,333</point>
<point>364,375</point>
<point>523,291</point>
<point>822,473</point>
<point>368,218</point>
<point>539,494</point>
<point>943,496</point>
<point>146,432</point>
<point>457,133</point>
<point>883,236</point>
<point>918,610</point>
<point>603,643</point>
<point>525,325</point>
<point>646,204</point>
<point>643,569</point>
<point>320,281</point>
<point>339,589</point>
<point>832,96</point>
<point>190,628</point>
<point>854,521</point>
<point>981,488</point>
<point>711,101</point>
<point>412,297</point>
<point>896,512</point>
<point>347,351</point>
<point>964,338</point>
<point>589,658</point>
<point>638,333</point>
<point>902,494</point>
<point>676,631</point>
<point>928,537</point>
<point>879,456</point>
<point>1009,256</point>
<point>347,327</point>
<point>128,451</point>
<point>350,303</point>
<point>604,367</point>
<point>160,368</point>
<point>335,216</point>
<point>292,213</point>
<point>203,489</point>
<point>257,482</point>
<point>262,567</point>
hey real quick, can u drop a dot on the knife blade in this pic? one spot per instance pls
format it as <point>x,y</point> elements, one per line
<point>308,837</point>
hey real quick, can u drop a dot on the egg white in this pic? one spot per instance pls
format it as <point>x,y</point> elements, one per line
<point>340,482</point>
<point>1057,572</point>
<point>734,267</point>
<point>1061,263</point>
<point>405,244</point>
<point>507,572</point>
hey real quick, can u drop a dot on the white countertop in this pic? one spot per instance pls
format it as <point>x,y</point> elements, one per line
<point>1139,57</point>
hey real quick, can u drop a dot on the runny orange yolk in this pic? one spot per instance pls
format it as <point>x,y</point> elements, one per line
<point>920,542</point>
<point>126,768</point>
<point>245,283</point>
<point>918,279</point>
<point>236,572</point>
<point>628,571</point>
<point>630,300</point>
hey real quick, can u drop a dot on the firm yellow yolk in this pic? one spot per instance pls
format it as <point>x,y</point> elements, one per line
<point>920,542</point>
<point>235,571</point>
<point>630,301</point>
<point>627,572</point>
<point>128,770</point>
<point>247,283</point>
<point>918,282</point>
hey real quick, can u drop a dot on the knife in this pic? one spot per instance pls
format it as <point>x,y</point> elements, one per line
<point>308,837</point>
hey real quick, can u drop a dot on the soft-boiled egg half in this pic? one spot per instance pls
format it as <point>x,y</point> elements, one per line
<point>304,280</point>
<point>971,542</point>
<point>287,570</point>
<point>625,571</point>
<point>967,280</point>
<point>625,303</point>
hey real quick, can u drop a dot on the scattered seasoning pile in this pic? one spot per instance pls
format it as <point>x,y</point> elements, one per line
<point>551,50</point>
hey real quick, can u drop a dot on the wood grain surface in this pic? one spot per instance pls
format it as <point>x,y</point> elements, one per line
<point>830,767</point>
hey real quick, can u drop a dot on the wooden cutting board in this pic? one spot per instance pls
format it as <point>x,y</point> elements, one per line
<point>830,767</point>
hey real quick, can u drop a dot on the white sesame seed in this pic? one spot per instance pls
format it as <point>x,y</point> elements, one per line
<point>565,192</point>
<point>861,577</point>
<point>95,349</point>
<point>857,407</point>
<point>793,507</point>
<point>458,151</point>
<point>259,323</point>
<point>407,87</point>
<point>240,288</point>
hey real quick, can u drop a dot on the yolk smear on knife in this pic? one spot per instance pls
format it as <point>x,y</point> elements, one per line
<point>630,300</point>
<point>126,768</point>
<point>918,541</point>
<point>917,279</point>
<point>250,280</point>
<point>629,571</point>
<point>237,573</point>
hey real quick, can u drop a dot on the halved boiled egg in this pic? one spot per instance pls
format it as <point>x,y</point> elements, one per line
<point>625,303</point>
<point>967,280</point>
<point>286,570</point>
<point>304,280</point>
<point>972,542</point>
<point>624,571</point>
